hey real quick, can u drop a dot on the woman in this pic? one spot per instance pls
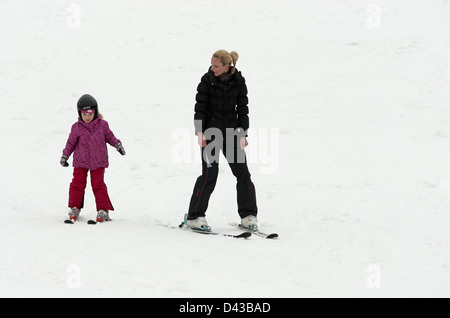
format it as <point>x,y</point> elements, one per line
<point>221,123</point>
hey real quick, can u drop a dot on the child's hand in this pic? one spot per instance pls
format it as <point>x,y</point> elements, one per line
<point>63,161</point>
<point>120,149</point>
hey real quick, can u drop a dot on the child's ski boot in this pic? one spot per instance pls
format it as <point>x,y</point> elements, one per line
<point>74,214</point>
<point>102,216</point>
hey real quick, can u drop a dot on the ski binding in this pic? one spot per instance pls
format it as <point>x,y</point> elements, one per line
<point>256,232</point>
<point>183,226</point>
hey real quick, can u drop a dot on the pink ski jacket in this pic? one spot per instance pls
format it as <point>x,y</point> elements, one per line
<point>87,142</point>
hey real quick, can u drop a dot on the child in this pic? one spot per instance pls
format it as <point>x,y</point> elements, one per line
<point>87,141</point>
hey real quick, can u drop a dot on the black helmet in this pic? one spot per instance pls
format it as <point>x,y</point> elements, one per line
<point>87,102</point>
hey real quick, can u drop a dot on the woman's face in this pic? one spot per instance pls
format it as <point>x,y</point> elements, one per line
<point>217,67</point>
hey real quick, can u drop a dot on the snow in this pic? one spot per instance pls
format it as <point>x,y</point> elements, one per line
<point>349,148</point>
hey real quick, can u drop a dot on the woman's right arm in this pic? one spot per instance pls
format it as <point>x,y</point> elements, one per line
<point>201,109</point>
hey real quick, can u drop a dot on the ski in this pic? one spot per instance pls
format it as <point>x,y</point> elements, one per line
<point>242,235</point>
<point>257,232</point>
<point>93,222</point>
<point>183,227</point>
<point>207,231</point>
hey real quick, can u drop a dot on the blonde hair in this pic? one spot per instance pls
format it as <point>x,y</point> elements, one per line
<point>227,58</point>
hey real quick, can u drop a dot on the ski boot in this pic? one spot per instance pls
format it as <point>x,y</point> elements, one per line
<point>103,215</point>
<point>250,222</point>
<point>74,214</point>
<point>198,224</point>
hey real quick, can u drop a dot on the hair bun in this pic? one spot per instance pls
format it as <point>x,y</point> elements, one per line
<point>235,56</point>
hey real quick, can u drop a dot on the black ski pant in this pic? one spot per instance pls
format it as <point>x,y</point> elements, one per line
<point>205,184</point>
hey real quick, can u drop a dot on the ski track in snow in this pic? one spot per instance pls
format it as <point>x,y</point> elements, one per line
<point>359,193</point>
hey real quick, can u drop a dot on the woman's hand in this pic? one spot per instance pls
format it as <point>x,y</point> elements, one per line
<point>201,140</point>
<point>243,142</point>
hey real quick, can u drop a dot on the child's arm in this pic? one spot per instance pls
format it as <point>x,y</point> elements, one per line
<point>113,141</point>
<point>70,147</point>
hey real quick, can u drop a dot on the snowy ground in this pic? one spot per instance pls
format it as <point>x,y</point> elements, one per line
<point>350,147</point>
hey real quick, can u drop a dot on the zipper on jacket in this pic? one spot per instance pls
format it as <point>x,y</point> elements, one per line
<point>224,91</point>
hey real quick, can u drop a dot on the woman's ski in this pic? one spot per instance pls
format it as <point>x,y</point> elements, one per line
<point>186,228</point>
<point>257,232</point>
<point>183,227</point>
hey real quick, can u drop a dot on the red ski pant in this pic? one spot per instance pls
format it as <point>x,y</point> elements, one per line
<point>78,186</point>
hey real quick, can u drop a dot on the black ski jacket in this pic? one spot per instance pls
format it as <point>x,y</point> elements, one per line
<point>221,106</point>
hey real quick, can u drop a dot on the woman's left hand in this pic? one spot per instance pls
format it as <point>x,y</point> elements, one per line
<point>243,142</point>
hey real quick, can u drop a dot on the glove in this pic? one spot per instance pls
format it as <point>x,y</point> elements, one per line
<point>63,162</point>
<point>120,149</point>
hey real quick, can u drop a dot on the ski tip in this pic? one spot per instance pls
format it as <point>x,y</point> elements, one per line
<point>244,235</point>
<point>91,222</point>
<point>68,222</point>
<point>272,236</point>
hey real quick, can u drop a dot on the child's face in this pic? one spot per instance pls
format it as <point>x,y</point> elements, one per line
<point>87,117</point>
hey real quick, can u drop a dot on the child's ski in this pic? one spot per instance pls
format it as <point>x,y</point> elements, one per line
<point>91,222</point>
<point>257,232</point>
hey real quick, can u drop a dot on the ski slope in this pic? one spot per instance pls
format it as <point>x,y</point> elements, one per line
<point>349,148</point>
